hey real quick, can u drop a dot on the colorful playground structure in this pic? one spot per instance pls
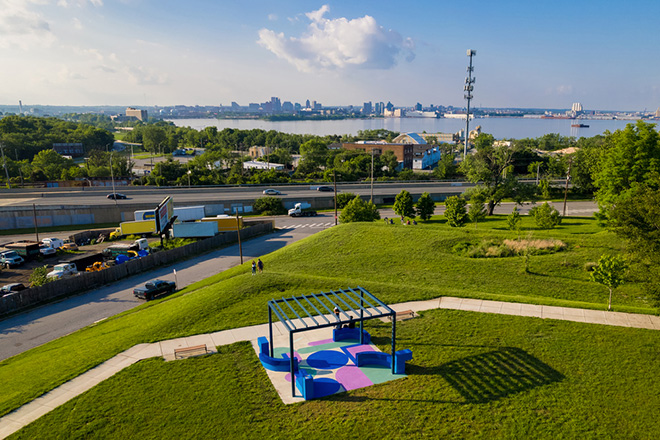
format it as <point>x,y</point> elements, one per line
<point>344,362</point>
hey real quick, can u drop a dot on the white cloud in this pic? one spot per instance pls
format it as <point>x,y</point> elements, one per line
<point>22,27</point>
<point>79,3</point>
<point>339,43</point>
<point>272,17</point>
<point>77,24</point>
<point>145,76</point>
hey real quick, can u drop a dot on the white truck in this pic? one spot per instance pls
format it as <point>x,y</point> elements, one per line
<point>302,209</point>
<point>62,271</point>
<point>54,243</point>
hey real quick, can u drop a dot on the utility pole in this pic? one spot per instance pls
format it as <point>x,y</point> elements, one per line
<point>36,227</point>
<point>568,176</point>
<point>334,179</point>
<point>372,175</point>
<point>112,177</point>
<point>238,233</point>
<point>468,96</point>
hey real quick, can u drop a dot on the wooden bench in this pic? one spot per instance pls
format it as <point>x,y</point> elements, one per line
<point>186,352</point>
<point>406,314</point>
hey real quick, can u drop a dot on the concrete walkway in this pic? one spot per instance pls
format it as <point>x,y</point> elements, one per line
<point>29,412</point>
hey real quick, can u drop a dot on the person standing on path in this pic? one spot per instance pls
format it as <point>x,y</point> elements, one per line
<point>260,265</point>
<point>254,267</point>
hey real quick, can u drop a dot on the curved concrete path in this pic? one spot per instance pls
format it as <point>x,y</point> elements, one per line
<point>29,412</point>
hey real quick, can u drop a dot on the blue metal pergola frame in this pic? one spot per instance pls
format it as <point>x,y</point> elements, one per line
<point>356,301</point>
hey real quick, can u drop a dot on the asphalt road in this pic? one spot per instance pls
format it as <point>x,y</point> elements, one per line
<point>43,324</point>
<point>38,326</point>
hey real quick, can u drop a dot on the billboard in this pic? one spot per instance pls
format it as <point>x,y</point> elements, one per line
<point>164,213</point>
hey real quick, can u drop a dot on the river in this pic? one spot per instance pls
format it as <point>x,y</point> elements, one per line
<point>501,128</point>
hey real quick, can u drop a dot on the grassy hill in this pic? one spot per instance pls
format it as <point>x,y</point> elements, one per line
<point>395,262</point>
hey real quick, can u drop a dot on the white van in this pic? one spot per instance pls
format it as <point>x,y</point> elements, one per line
<point>54,243</point>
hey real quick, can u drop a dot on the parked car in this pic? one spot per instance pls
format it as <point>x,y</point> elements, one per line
<point>70,247</point>
<point>272,192</point>
<point>53,242</point>
<point>116,196</point>
<point>10,258</point>
<point>10,288</point>
<point>47,251</point>
<point>154,288</point>
<point>62,271</point>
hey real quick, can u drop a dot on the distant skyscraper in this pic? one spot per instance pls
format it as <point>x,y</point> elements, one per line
<point>139,114</point>
<point>389,107</point>
<point>366,108</point>
<point>379,108</point>
<point>576,107</point>
<point>418,107</point>
<point>307,104</point>
<point>276,104</point>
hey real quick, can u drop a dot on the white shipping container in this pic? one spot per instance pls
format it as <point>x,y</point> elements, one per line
<point>194,230</point>
<point>189,213</point>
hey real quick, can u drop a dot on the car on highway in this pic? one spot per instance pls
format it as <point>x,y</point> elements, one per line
<point>324,188</point>
<point>116,196</point>
<point>272,192</point>
<point>153,288</point>
<point>47,251</point>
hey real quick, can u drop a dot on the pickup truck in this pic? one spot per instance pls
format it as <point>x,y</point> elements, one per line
<point>62,271</point>
<point>10,258</point>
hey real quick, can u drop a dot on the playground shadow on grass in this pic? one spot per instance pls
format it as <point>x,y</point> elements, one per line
<point>495,374</point>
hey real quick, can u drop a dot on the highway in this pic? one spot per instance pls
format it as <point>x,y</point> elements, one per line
<point>205,194</point>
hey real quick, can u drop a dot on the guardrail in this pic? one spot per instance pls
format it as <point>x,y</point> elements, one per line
<point>93,280</point>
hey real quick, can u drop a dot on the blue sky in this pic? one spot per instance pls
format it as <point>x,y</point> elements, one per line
<point>603,54</point>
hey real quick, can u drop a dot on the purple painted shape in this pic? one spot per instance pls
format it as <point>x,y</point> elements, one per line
<point>353,350</point>
<point>321,342</point>
<point>352,378</point>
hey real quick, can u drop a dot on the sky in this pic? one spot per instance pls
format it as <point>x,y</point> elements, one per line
<point>530,54</point>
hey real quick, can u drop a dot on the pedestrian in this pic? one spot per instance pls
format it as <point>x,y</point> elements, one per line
<point>337,316</point>
<point>260,265</point>
<point>254,267</point>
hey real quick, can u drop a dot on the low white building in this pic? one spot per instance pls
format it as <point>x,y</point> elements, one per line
<point>257,165</point>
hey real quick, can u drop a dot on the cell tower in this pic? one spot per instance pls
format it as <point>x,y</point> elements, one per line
<point>468,96</point>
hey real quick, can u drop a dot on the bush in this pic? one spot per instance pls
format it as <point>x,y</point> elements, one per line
<point>545,216</point>
<point>455,212</point>
<point>269,206</point>
<point>358,210</point>
<point>589,266</point>
<point>513,220</point>
<point>38,276</point>
<point>343,199</point>
<point>477,211</point>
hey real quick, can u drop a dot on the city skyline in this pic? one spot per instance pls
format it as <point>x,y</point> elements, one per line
<point>146,53</point>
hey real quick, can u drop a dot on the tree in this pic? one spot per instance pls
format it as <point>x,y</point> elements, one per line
<point>358,210</point>
<point>425,206</point>
<point>403,204</point>
<point>269,206</point>
<point>343,199</point>
<point>455,212</point>
<point>38,276</point>
<point>390,161</point>
<point>513,220</point>
<point>492,166</point>
<point>630,157</point>
<point>446,168</point>
<point>636,217</point>
<point>51,164</point>
<point>314,153</point>
<point>477,211</point>
<point>545,216</point>
<point>609,272</point>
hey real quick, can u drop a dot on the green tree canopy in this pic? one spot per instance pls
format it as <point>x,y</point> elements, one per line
<point>425,206</point>
<point>609,272</point>
<point>455,212</point>
<point>358,210</point>
<point>403,204</point>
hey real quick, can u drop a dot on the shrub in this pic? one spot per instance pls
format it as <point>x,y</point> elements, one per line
<point>343,199</point>
<point>513,220</point>
<point>589,266</point>
<point>477,210</point>
<point>545,216</point>
<point>38,276</point>
<point>455,212</point>
<point>357,210</point>
<point>269,206</point>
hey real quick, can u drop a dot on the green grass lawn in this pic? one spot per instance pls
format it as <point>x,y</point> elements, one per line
<point>397,263</point>
<point>473,375</point>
